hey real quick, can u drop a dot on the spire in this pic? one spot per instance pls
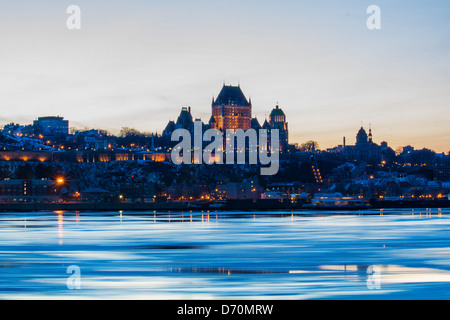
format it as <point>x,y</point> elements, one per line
<point>153,143</point>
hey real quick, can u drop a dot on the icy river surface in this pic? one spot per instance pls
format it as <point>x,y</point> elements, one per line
<point>373,254</point>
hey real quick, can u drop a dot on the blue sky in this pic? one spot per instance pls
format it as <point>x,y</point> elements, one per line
<point>136,63</point>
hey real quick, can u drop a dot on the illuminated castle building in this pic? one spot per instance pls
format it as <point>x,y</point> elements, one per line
<point>231,110</point>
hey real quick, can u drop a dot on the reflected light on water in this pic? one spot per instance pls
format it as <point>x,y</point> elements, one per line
<point>394,274</point>
<point>248,255</point>
<point>60,228</point>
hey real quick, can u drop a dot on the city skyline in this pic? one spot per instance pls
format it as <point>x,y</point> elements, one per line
<point>135,65</point>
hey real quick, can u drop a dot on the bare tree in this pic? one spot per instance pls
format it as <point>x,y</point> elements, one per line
<point>308,146</point>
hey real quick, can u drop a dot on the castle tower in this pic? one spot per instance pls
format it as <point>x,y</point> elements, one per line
<point>231,110</point>
<point>277,120</point>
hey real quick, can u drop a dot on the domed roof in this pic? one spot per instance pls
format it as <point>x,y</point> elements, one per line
<point>277,112</point>
<point>362,132</point>
<point>361,137</point>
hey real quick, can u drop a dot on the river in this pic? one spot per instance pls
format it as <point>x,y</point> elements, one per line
<point>372,254</point>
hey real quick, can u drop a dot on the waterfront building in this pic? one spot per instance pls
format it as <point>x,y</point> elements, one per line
<point>247,189</point>
<point>138,191</point>
<point>28,190</point>
<point>180,192</point>
<point>285,190</point>
<point>98,195</point>
<point>336,199</point>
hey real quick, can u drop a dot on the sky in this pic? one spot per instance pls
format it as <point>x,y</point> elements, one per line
<point>137,63</point>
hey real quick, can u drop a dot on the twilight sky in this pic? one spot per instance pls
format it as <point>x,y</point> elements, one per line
<point>136,63</point>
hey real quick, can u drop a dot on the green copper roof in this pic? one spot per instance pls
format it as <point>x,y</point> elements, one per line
<point>277,112</point>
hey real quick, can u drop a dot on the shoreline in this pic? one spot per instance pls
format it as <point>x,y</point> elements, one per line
<point>241,205</point>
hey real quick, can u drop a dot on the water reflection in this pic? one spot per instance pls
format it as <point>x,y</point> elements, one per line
<point>222,255</point>
<point>60,228</point>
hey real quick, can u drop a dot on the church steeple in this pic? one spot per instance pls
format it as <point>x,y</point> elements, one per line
<point>370,133</point>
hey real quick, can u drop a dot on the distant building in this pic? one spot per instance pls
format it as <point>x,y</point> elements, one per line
<point>442,173</point>
<point>285,190</point>
<point>408,149</point>
<point>28,190</point>
<point>247,189</point>
<point>55,128</point>
<point>13,129</point>
<point>277,120</point>
<point>138,191</point>
<point>255,124</point>
<point>94,139</point>
<point>335,199</point>
<point>18,130</point>
<point>188,192</point>
<point>98,195</point>
<point>184,121</point>
<point>170,127</point>
<point>365,149</point>
<point>231,110</point>
<point>219,192</point>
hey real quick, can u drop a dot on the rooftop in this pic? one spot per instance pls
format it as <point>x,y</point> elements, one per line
<point>231,95</point>
<point>277,112</point>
